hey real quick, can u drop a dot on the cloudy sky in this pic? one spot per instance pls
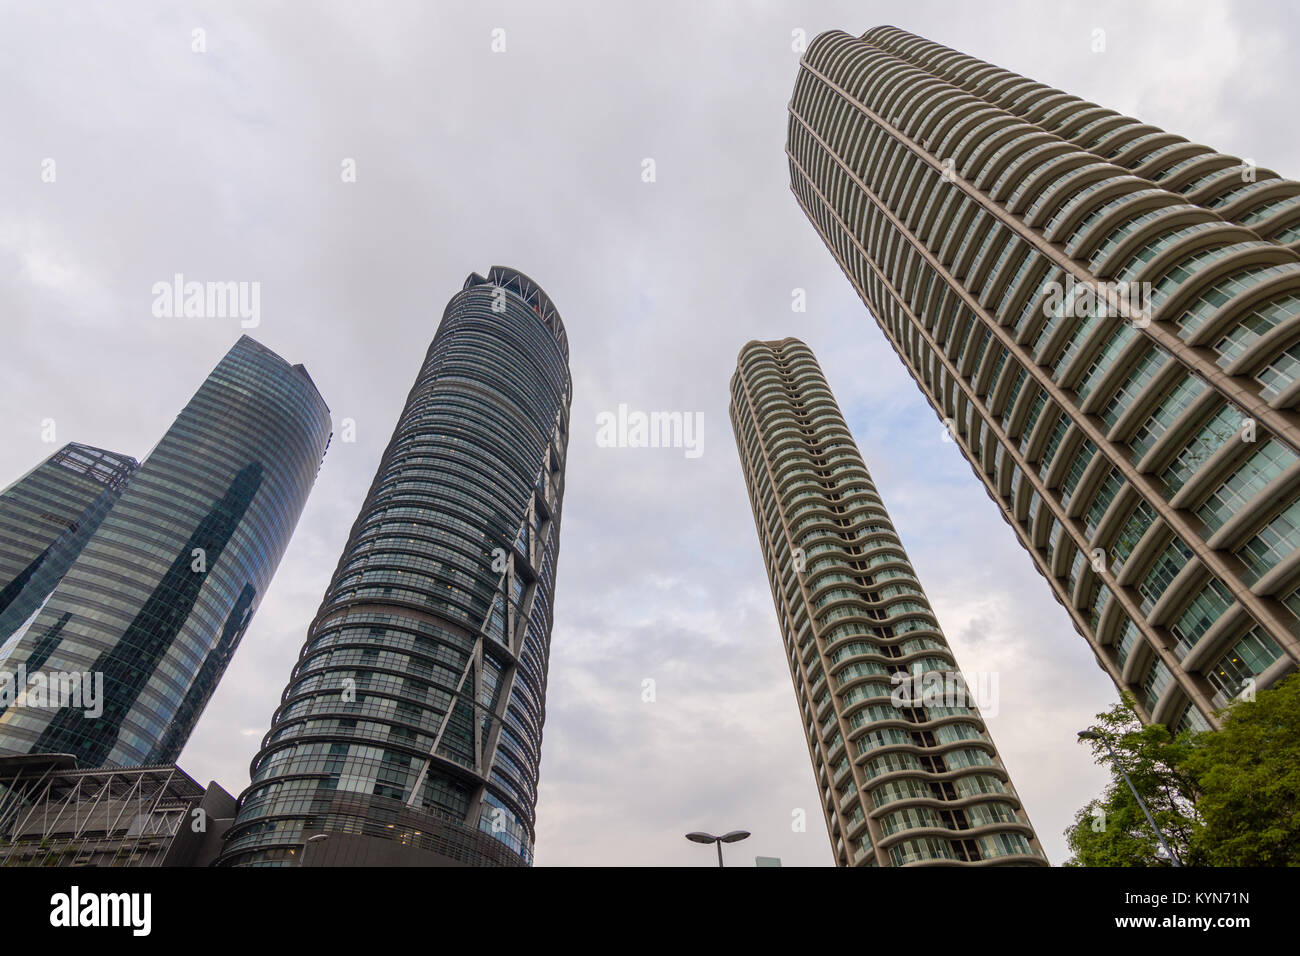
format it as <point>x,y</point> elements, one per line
<point>226,164</point>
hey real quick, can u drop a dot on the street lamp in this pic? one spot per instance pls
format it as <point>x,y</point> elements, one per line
<point>735,836</point>
<point>1095,735</point>
<point>317,839</point>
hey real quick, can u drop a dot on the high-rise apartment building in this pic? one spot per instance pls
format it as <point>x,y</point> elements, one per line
<point>157,600</point>
<point>411,729</point>
<point>907,772</point>
<point>46,518</point>
<point>1107,318</point>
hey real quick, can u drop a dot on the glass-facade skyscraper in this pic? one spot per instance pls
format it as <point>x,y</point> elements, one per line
<point>410,731</point>
<point>46,518</point>
<point>906,769</point>
<point>1107,318</point>
<point>159,597</point>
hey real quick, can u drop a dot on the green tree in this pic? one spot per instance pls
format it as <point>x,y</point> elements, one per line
<point>1229,797</point>
<point>1112,830</point>
<point>1249,778</point>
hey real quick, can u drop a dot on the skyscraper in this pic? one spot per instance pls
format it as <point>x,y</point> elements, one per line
<point>46,517</point>
<point>1107,318</point>
<point>159,597</point>
<point>411,729</point>
<point>907,772</point>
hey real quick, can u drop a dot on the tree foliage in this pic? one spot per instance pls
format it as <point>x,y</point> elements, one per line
<point>1112,830</point>
<point>1222,798</point>
<point>1248,775</point>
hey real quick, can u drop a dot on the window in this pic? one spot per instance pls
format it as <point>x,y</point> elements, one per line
<point>1247,329</point>
<point>1280,372</point>
<point>911,851</point>
<point>1012,396</point>
<point>1106,492</point>
<point>984,814</point>
<point>1099,601</point>
<point>912,818</point>
<point>1119,339</point>
<point>1137,379</point>
<point>1082,458</point>
<point>1275,541</point>
<point>1201,613</point>
<point>1174,404</point>
<point>1049,452</point>
<point>1155,682</point>
<point>1266,463</point>
<point>1031,419</point>
<point>1192,720</point>
<point>1003,844</point>
<point>1166,567</point>
<point>1213,434</point>
<point>1076,566</point>
<point>1249,658</point>
<point>1141,518</point>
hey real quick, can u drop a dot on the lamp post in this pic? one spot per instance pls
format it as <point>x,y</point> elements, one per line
<point>735,836</point>
<point>311,841</point>
<point>1091,734</point>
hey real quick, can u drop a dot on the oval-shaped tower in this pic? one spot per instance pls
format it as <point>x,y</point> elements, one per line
<point>161,594</point>
<point>411,729</point>
<point>907,772</point>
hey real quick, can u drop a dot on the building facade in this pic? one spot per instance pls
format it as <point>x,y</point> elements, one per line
<point>52,814</point>
<point>907,772</point>
<point>149,614</point>
<point>1107,319</point>
<point>411,727</point>
<point>46,518</point>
